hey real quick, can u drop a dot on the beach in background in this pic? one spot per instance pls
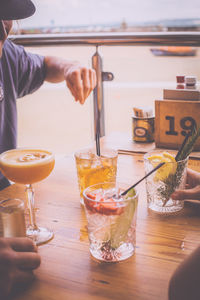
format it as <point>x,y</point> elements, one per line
<point>50,118</point>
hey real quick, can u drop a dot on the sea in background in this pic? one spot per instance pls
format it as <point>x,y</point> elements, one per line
<point>50,118</point>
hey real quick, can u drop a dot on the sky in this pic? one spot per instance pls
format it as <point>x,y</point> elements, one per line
<point>91,12</point>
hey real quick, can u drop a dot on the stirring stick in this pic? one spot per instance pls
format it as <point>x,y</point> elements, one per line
<point>134,185</point>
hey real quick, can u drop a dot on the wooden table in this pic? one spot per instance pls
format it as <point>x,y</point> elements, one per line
<point>69,272</point>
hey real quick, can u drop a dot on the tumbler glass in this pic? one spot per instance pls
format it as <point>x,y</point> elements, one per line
<point>111,221</point>
<point>163,182</point>
<point>92,169</point>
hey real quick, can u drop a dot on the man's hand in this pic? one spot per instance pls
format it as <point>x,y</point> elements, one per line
<point>192,190</point>
<point>80,81</point>
<point>18,259</point>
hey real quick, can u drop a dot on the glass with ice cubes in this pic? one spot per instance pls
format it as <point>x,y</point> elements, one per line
<point>92,169</point>
<point>111,220</point>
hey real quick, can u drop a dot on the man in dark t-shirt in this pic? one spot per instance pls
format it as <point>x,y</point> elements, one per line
<point>22,73</point>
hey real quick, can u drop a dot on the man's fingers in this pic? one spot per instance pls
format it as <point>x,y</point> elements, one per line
<point>81,81</point>
<point>85,75</point>
<point>70,87</point>
<point>192,194</point>
<point>76,81</point>
<point>27,260</point>
<point>21,244</point>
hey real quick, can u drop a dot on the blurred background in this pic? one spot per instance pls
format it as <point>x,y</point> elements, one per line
<point>50,118</point>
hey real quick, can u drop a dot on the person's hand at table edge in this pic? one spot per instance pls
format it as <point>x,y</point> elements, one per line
<point>192,190</point>
<point>18,259</point>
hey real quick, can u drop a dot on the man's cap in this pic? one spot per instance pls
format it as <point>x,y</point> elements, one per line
<point>16,9</point>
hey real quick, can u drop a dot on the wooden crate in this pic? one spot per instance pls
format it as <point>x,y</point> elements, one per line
<point>173,119</point>
<point>178,94</point>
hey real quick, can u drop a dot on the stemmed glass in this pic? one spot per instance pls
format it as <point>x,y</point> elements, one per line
<point>27,166</point>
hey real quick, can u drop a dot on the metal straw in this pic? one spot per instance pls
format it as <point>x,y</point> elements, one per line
<point>98,144</point>
<point>97,138</point>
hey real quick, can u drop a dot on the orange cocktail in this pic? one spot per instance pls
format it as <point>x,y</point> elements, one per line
<point>26,166</point>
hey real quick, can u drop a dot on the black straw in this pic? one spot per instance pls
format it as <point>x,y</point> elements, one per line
<point>98,144</point>
<point>134,185</point>
<point>97,136</point>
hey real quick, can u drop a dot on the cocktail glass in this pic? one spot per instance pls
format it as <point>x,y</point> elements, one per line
<point>28,166</point>
<point>92,169</point>
<point>111,221</point>
<point>163,182</point>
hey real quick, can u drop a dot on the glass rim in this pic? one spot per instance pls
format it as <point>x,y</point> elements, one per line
<point>50,156</point>
<point>121,199</point>
<point>83,151</point>
<point>157,152</point>
<point>19,203</point>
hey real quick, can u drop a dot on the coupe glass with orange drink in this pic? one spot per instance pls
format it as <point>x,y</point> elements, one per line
<point>28,166</point>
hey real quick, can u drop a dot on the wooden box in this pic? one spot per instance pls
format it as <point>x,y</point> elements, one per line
<point>173,119</point>
<point>178,94</point>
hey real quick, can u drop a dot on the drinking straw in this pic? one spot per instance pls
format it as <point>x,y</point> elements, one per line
<point>97,137</point>
<point>98,144</point>
<point>134,185</point>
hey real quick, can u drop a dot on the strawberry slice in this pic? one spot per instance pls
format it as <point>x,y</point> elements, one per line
<point>108,207</point>
<point>91,205</point>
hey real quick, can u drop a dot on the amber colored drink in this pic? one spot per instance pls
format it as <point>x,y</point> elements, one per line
<point>12,220</point>
<point>92,169</point>
<point>26,166</point>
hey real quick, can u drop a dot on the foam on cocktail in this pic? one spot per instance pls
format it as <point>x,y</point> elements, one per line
<point>26,166</point>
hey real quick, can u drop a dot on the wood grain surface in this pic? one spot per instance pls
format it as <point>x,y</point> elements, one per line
<point>69,272</point>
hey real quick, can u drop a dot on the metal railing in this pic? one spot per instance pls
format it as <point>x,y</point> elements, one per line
<point>108,39</point>
<point>111,39</point>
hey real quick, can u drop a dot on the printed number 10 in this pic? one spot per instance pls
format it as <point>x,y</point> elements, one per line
<point>186,123</point>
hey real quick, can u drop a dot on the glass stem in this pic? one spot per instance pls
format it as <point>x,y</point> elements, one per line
<point>31,206</point>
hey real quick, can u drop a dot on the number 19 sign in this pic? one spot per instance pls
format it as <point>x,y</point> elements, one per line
<point>173,120</point>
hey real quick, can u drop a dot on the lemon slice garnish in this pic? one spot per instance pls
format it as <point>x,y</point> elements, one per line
<point>155,159</point>
<point>167,169</point>
<point>171,159</point>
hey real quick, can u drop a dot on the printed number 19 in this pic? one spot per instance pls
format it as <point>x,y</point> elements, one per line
<point>186,123</point>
